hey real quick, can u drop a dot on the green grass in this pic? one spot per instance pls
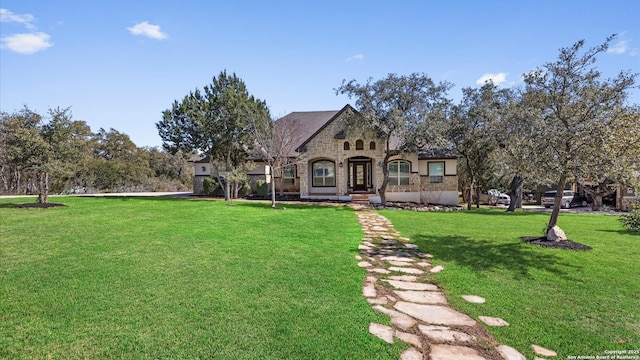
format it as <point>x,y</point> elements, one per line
<point>161,278</point>
<point>573,302</point>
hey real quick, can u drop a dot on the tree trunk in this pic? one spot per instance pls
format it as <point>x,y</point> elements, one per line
<point>227,188</point>
<point>43,188</point>
<point>385,177</point>
<point>515,191</point>
<point>472,180</point>
<point>553,221</point>
<point>273,189</point>
<point>470,198</point>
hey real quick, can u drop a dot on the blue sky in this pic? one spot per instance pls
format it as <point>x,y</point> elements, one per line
<point>119,64</point>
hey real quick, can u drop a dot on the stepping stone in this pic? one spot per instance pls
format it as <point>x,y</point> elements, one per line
<point>363,247</point>
<point>423,264</point>
<point>364,264</point>
<point>369,291</point>
<point>397,258</point>
<point>474,299</point>
<point>434,314</point>
<point>445,334</point>
<point>358,257</point>
<point>404,277</point>
<point>451,352</point>
<point>406,285</point>
<point>493,321</point>
<point>409,338</point>
<point>380,271</point>
<point>411,246</point>
<point>542,351</point>
<point>406,270</point>
<point>426,256</point>
<point>391,298</point>
<point>437,269</point>
<point>399,263</point>
<point>377,301</point>
<point>404,239</point>
<point>398,319</point>
<point>509,353</point>
<point>422,297</point>
<point>411,354</point>
<point>379,228</point>
<point>382,332</point>
<point>389,242</point>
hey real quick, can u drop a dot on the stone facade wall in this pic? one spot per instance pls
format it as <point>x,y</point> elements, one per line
<point>324,146</point>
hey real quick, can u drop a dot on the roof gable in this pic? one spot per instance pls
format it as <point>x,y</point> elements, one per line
<point>307,124</point>
<point>326,123</point>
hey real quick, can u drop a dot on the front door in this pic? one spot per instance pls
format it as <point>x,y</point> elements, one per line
<point>359,177</point>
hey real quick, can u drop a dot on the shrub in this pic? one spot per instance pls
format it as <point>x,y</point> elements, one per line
<point>632,219</point>
<point>245,189</point>
<point>263,187</point>
<point>211,186</point>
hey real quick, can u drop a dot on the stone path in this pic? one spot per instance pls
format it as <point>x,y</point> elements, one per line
<point>398,285</point>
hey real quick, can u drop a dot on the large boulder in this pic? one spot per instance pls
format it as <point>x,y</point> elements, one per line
<point>556,234</point>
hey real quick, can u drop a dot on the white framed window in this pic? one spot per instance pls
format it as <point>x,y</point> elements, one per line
<point>289,175</point>
<point>399,171</point>
<point>436,172</point>
<point>324,173</point>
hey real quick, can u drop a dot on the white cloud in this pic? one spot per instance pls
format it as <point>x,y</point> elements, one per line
<point>148,30</point>
<point>24,19</point>
<point>497,79</point>
<point>27,43</point>
<point>620,47</point>
<point>355,57</point>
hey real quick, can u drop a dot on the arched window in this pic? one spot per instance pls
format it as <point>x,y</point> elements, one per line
<point>324,173</point>
<point>399,171</point>
<point>346,145</point>
<point>372,145</point>
<point>359,144</point>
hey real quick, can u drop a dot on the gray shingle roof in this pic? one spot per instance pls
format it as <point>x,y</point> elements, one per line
<point>307,124</point>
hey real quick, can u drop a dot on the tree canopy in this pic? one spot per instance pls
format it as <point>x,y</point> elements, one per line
<point>214,122</point>
<point>575,114</point>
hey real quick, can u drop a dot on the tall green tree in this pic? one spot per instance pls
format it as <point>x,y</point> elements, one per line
<point>215,122</point>
<point>573,110</point>
<point>49,150</point>
<point>470,134</point>
<point>406,112</point>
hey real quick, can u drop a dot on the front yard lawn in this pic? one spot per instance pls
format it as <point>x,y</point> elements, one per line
<point>573,302</point>
<point>168,278</point>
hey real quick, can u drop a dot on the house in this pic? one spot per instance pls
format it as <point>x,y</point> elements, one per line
<point>327,163</point>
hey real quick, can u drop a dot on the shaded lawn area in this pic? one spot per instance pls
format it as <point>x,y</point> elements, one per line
<point>573,302</point>
<point>176,278</point>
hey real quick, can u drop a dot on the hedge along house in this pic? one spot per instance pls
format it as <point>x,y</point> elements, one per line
<point>327,163</point>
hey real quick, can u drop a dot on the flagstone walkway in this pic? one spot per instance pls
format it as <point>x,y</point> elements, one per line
<point>398,285</point>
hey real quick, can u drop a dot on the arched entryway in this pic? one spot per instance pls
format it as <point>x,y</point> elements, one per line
<point>360,175</point>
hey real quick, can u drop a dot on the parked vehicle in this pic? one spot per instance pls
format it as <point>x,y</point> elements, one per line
<point>504,199</point>
<point>569,199</point>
